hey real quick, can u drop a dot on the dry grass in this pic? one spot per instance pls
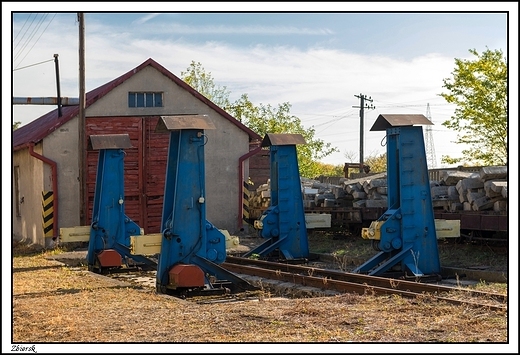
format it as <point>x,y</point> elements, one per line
<point>451,253</point>
<point>57,304</point>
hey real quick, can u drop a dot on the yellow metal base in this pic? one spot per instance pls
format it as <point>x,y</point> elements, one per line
<point>77,234</point>
<point>147,244</point>
<point>150,244</point>
<point>444,229</point>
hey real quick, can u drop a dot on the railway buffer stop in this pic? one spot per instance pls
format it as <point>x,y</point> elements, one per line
<point>191,248</point>
<point>111,228</point>
<point>283,223</point>
<point>405,234</point>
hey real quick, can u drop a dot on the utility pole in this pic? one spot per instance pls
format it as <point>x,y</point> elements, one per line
<point>430,148</point>
<point>82,153</point>
<point>362,106</point>
<point>58,83</point>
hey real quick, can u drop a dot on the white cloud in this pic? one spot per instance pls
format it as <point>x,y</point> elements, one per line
<point>145,19</point>
<point>314,82</point>
<point>320,83</point>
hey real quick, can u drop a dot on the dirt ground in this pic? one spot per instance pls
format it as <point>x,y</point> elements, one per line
<point>56,307</point>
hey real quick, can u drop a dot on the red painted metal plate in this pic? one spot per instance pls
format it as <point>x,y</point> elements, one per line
<point>186,275</point>
<point>109,258</point>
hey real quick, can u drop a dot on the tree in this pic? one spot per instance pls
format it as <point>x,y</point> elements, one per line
<point>262,119</point>
<point>197,78</point>
<point>331,169</point>
<point>265,119</point>
<point>16,125</point>
<point>479,89</point>
<point>377,163</point>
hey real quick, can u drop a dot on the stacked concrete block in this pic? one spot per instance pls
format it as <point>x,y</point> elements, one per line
<point>493,188</point>
<point>320,198</point>
<point>484,203</point>
<point>455,191</point>
<point>452,177</point>
<point>383,190</point>
<point>477,191</point>
<point>309,195</point>
<point>376,203</point>
<point>352,193</point>
<point>338,192</point>
<point>504,192</point>
<point>440,192</point>
<point>359,195</point>
<point>375,190</point>
<point>500,206</point>
<point>351,188</point>
<point>493,173</point>
<point>453,194</point>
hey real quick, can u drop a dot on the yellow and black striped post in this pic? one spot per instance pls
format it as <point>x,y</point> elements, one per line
<point>48,213</point>
<point>245,202</point>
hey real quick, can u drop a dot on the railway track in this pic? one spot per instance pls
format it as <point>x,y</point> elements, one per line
<point>344,282</point>
<point>327,281</point>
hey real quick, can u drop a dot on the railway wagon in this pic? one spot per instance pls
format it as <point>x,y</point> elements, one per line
<point>476,196</point>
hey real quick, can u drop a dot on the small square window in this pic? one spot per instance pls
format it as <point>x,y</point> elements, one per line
<point>149,99</point>
<point>158,99</point>
<point>131,99</point>
<point>145,99</point>
<point>140,99</point>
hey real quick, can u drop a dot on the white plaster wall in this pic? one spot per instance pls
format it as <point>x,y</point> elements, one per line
<point>62,146</point>
<point>29,226</point>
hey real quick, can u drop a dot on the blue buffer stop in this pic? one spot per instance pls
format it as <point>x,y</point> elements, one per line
<point>405,234</point>
<point>191,247</point>
<point>283,223</point>
<point>111,228</point>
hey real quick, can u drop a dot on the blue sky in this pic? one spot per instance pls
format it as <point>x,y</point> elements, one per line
<point>316,61</point>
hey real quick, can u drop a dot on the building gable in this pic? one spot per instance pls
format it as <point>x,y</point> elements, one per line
<point>38,129</point>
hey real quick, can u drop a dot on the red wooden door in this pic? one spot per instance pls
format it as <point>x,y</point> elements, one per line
<point>144,167</point>
<point>155,154</point>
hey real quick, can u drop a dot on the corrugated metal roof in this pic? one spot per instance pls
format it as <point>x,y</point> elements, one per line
<point>385,121</point>
<point>282,139</point>
<point>38,129</point>
<point>169,123</point>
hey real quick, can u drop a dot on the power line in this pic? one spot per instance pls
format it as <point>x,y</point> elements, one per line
<point>38,36</point>
<point>413,105</point>
<point>26,20</point>
<point>27,29</point>
<point>32,65</point>
<point>33,32</point>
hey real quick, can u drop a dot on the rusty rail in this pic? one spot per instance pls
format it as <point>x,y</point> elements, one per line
<point>362,284</point>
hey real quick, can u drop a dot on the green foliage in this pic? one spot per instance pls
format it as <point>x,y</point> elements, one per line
<point>197,78</point>
<point>330,169</point>
<point>479,89</point>
<point>377,163</point>
<point>16,125</point>
<point>263,119</point>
